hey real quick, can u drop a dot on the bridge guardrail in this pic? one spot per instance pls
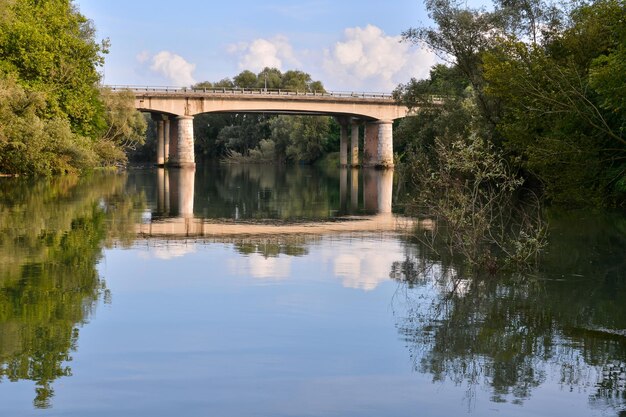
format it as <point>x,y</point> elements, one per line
<point>249,91</point>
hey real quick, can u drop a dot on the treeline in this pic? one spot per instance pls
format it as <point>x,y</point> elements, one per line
<point>54,118</point>
<point>260,137</point>
<point>540,86</point>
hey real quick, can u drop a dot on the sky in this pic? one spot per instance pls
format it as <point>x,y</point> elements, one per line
<point>349,45</point>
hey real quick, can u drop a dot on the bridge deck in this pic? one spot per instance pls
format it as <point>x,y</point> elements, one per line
<point>351,95</point>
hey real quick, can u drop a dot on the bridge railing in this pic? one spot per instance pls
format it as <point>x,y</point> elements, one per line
<point>248,91</point>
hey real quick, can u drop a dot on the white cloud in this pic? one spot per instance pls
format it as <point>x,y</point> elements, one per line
<point>171,66</point>
<point>260,53</point>
<point>367,58</point>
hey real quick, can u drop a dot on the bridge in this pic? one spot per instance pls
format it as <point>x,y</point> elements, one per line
<point>173,110</point>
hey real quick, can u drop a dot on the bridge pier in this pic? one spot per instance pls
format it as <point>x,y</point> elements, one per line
<point>160,143</point>
<point>378,144</point>
<point>166,138</point>
<point>343,144</point>
<point>182,130</point>
<point>354,144</point>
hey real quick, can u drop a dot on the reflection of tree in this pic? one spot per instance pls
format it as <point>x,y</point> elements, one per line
<point>512,333</point>
<point>272,248</point>
<point>51,236</point>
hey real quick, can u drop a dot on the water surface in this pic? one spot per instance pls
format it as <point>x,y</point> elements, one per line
<point>112,303</point>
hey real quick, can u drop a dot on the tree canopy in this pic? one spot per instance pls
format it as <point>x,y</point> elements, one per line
<point>53,117</point>
<point>542,81</point>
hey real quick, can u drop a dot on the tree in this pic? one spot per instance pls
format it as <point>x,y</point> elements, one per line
<point>270,78</point>
<point>50,47</point>
<point>559,107</point>
<point>245,79</point>
<point>301,138</point>
<point>126,126</point>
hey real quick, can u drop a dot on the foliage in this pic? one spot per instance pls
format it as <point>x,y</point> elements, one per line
<point>300,138</point>
<point>546,82</point>
<point>469,191</point>
<point>53,117</point>
<point>126,126</point>
<point>49,46</point>
<point>238,137</point>
<point>32,145</point>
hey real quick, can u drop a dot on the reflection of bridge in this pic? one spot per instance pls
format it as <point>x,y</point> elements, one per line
<point>175,200</point>
<point>173,110</point>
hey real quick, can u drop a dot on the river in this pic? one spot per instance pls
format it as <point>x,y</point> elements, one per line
<point>291,291</point>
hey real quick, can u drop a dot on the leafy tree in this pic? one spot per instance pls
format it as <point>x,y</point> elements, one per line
<point>245,79</point>
<point>126,127</point>
<point>218,135</point>
<point>270,78</point>
<point>301,138</point>
<point>32,145</point>
<point>50,47</point>
<point>548,86</point>
<point>558,113</point>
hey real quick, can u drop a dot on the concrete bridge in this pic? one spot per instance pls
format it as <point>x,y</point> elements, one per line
<point>173,110</point>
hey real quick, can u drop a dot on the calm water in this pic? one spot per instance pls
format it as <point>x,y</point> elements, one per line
<point>159,293</point>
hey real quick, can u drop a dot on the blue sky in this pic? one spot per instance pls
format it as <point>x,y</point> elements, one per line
<point>350,45</point>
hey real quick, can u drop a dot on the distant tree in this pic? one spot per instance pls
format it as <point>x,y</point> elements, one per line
<point>245,79</point>
<point>270,78</point>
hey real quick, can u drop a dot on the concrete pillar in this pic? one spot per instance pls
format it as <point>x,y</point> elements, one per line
<point>182,183</point>
<point>173,147</point>
<point>385,144</point>
<point>184,143</point>
<point>166,138</point>
<point>378,146</point>
<point>354,144</point>
<point>160,136</point>
<point>343,145</point>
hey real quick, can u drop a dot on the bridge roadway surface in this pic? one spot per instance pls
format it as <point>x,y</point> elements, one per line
<point>173,110</point>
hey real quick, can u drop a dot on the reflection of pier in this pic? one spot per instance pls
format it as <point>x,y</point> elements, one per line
<point>175,204</point>
<point>176,192</point>
<point>377,190</point>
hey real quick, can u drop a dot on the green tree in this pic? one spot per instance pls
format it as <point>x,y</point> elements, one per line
<point>50,47</point>
<point>300,138</point>
<point>126,127</point>
<point>557,105</point>
<point>270,78</point>
<point>245,79</point>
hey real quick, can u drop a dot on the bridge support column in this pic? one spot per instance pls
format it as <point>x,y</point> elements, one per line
<point>354,144</point>
<point>160,137</point>
<point>378,147</point>
<point>343,145</point>
<point>166,138</point>
<point>184,156</point>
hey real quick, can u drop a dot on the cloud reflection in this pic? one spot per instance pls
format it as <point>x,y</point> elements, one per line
<point>271,268</point>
